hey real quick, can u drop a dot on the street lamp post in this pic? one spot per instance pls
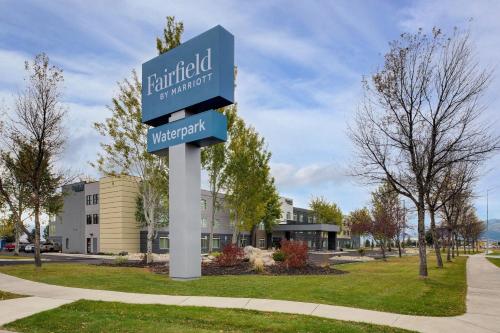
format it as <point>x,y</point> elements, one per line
<point>487,223</point>
<point>487,217</point>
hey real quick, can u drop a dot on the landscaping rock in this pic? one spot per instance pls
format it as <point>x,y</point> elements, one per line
<point>251,251</point>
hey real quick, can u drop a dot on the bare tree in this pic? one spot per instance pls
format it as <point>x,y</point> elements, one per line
<point>401,224</point>
<point>448,184</point>
<point>470,228</point>
<point>454,194</point>
<point>419,116</point>
<point>36,137</point>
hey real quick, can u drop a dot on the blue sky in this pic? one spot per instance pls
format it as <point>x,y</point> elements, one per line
<point>300,65</point>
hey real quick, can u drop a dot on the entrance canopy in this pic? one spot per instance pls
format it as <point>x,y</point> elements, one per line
<point>307,227</point>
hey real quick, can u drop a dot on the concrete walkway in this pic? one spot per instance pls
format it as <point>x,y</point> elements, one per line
<point>483,303</point>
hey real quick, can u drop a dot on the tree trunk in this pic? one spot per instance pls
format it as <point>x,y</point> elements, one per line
<point>234,240</point>
<point>421,239</point>
<point>212,221</point>
<point>452,245</point>
<point>382,248</point>
<point>435,239</point>
<point>448,246</point>
<point>38,259</point>
<point>399,247</point>
<point>17,233</point>
<point>150,236</point>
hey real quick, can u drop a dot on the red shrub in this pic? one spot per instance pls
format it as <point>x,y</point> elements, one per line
<point>295,253</point>
<point>231,255</point>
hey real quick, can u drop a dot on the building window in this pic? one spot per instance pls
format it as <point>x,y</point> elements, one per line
<point>89,199</point>
<point>301,218</point>
<point>95,218</point>
<point>204,242</point>
<point>89,219</point>
<point>204,223</point>
<point>262,243</point>
<point>216,243</point>
<point>310,219</point>
<point>217,223</point>
<point>164,243</point>
<point>288,216</point>
<point>243,241</point>
<point>203,204</point>
<point>295,217</point>
<point>67,243</point>
<point>95,199</point>
<point>52,230</point>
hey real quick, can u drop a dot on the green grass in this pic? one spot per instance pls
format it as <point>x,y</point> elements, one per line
<point>494,252</point>
<point>495,261</point>
<point>5,295</point>
<point>392,286</point>
<point>91,316</point>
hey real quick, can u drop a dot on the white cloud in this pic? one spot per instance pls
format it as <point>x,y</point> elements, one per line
<point>289,176</point>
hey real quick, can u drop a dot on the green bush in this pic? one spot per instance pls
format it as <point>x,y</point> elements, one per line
<point>121,260</point>
<point>215,254</point>
<point>278,256</point>
<point>361,251</point>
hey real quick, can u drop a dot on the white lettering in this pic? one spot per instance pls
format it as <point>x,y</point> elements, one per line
<point>189,69</point>
<point>150,84</point>
<point>197,72</point>
<point>156,137</point>
<point>206,66</point>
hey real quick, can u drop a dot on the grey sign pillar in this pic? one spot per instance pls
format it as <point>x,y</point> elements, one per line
<point>184,208</point>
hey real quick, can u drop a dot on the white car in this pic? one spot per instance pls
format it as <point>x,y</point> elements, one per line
<point>29,248</point>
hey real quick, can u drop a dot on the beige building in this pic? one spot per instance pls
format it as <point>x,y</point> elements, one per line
<point>119,230</point>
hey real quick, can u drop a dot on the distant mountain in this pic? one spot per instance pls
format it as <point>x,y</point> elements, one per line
<point>493,230</point>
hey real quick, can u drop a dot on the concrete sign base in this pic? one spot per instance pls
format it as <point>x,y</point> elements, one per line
<point>184,208</point>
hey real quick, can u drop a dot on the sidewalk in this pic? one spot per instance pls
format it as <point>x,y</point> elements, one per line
<point>483,303</point>
<point>79,255</point>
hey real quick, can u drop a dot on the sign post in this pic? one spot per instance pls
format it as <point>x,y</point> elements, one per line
<point>178,87</point>
<point>184,209</point>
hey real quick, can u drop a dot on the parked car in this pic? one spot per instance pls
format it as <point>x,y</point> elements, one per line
<point>12,246</point>
<point>50,247</point>
<point>29,248</point>
<point>22,246</point>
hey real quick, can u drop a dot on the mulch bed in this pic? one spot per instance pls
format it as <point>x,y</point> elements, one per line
<point>243,268</point>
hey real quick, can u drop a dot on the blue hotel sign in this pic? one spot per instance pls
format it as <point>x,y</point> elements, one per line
<point>202,129</point>
<point>198,75</point>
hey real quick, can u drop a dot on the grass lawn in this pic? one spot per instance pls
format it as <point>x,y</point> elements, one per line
<point>90,316</point>
<point>5,295</point>
<point>494,252</point>
<point>392,286</point>
<point>495,261</point>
